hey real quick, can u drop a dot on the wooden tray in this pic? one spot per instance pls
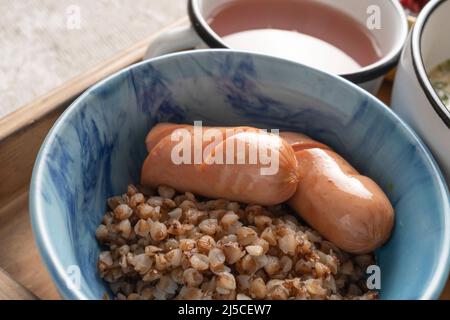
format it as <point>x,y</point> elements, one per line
<point>21,135</point>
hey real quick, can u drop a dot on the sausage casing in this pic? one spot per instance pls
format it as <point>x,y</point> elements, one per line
<point>236,181</point>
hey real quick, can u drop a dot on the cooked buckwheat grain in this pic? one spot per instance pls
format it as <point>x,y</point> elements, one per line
<point>175,246</point>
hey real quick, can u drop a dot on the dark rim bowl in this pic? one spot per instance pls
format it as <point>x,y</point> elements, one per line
<point>368,73</point>
<point>418,63</point>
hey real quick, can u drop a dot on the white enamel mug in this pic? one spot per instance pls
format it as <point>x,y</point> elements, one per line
<point>390,36</point>
<point>414,98</point>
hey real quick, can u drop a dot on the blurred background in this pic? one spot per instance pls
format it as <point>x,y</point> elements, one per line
<point>45,42</point>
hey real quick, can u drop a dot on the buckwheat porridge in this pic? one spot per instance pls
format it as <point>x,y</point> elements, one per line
<point>162,245</point>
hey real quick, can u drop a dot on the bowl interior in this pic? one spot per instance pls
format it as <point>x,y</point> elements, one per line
<point>97,148</point>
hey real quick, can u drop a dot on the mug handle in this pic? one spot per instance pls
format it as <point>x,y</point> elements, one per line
<point>173,40</point>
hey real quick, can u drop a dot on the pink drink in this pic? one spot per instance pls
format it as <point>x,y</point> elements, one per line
<point>302,30</point>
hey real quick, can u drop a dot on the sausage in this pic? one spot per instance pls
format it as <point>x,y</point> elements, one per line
<point>160,131</point>
<point>239,182</point>
<point>164,129</point>
<point>347,208</point>
<point>299,141</point>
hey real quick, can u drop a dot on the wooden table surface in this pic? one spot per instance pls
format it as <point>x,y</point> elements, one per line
<point>18,252</point>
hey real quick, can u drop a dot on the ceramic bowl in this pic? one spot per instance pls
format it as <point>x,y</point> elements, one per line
<point>97,147</point>
<point>414,98</point>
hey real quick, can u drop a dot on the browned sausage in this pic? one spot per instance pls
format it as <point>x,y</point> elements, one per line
<point>347,208</point>
<point>299,141</point>
<point>239,182</point>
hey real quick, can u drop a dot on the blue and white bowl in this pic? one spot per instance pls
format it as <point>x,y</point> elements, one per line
<point>97,147</point>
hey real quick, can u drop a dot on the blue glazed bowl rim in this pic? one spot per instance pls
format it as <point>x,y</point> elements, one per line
<point>41,233</point>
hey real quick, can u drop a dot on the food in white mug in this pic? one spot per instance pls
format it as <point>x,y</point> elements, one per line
<point>164,245</point>
<point>309,32</point>
<point>440,80</point>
